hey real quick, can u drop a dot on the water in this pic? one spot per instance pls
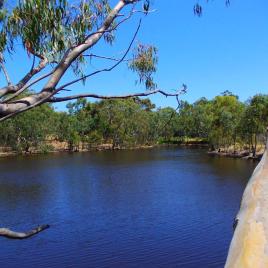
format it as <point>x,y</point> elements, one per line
<point>165,207</point>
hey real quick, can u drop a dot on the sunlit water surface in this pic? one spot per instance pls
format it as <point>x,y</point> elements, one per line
<point>166,207</point>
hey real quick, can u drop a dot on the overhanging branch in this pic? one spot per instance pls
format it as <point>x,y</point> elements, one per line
<point>142,94</point>
<point>22,235</point>
<point>104,57</point>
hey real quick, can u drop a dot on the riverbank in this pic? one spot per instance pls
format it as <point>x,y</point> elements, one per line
<point>53,147</point>
<point>62,147</point>
<point>56,147</point>
<point>238,154</point>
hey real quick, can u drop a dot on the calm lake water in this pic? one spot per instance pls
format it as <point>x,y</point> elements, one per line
<point>164,207</point>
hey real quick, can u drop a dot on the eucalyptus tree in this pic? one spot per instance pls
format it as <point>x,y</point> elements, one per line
<point>121,122</point>
<point>61,35</point>
<point>29,130</point>
<point>195,119</point>
<point>254,120</point>
<point>226,111</point>
<point>167,123</point>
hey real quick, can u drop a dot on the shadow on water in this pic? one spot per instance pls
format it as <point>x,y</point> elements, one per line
<point>164,207</point>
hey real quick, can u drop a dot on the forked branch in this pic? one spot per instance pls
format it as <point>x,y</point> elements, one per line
<point>15,88</point>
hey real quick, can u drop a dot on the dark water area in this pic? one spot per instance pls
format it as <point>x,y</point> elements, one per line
<point>165,207</point>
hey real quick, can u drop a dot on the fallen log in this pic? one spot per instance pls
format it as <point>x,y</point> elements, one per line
<point>22,235</point>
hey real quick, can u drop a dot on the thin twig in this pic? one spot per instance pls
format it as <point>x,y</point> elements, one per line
<point>5,72</point>
<point>104,57</point>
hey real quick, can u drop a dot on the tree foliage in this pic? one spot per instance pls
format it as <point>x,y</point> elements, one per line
<point>49,28</point>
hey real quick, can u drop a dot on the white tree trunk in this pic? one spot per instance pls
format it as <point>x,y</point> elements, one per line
<point>249,246</point>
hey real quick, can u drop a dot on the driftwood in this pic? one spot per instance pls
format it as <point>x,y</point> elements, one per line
<point>22,235</point>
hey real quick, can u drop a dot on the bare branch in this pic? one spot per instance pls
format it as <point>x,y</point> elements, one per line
<point>22,235</point>
<point>11,109</point>
<point>104,57</point>
<point>14,88</point>
<point>26,87</point>
<point>144,11</point>
<point>5,73</point>
<point>142,94</point>
<point>43,98</point>
<point>4,70</point>
<point>130,1</point>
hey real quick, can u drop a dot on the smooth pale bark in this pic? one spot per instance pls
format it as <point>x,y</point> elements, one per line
<point>11,108</point>
<point>249,246</point>
<point>22,235</point>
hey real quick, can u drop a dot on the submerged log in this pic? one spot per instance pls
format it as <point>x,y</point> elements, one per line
<point>22,235</point>
<point>249,246</point>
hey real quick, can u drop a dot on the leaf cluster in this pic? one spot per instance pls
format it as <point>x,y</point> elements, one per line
<point>50,27</point>
<point>144,63</point>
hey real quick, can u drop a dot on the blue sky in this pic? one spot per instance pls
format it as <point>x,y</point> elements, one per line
<point>225,49</point>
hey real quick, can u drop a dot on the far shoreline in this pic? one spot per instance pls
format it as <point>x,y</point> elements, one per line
<point>108,147</point>
<point>97,148</point>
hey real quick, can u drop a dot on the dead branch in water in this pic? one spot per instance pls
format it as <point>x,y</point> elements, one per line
<point>21,235</point>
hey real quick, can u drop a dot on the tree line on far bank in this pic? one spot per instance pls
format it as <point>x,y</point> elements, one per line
<point>223,122</point>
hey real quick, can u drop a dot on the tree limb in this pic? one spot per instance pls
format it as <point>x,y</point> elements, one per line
<point>26,87</point>
<point>4,70</point>
<point>42,97</point>
<point>14,88</point>
<point>8,110</point>
<point>22,235</point>
<point>103,57</point>
<point>97,96</point>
